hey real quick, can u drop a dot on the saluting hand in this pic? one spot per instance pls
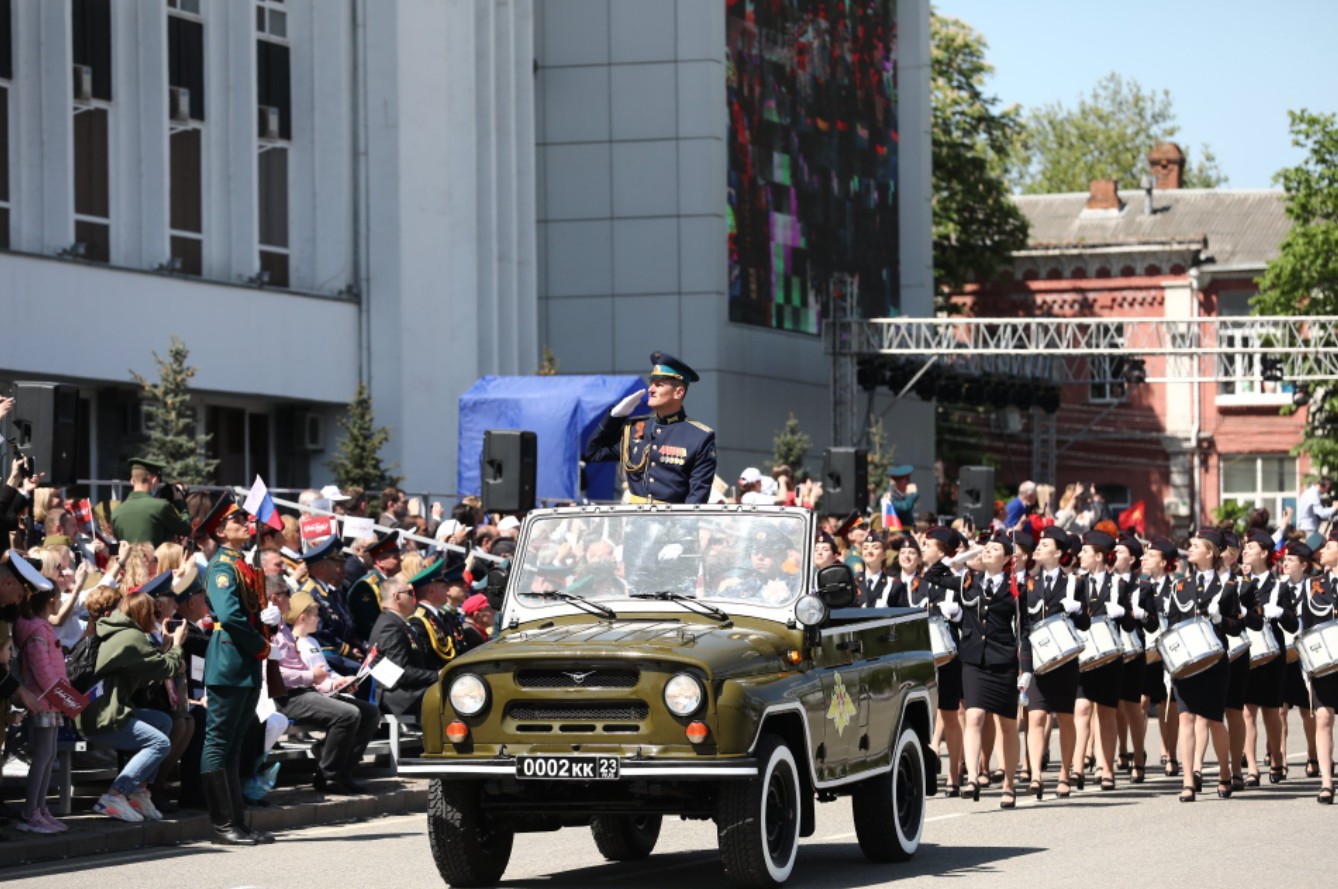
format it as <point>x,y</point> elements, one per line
<point>625,407</point>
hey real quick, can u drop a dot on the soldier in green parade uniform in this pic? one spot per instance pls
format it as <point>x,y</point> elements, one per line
<point>435,623</point>
<point>145,518</point>
<point>364,598</point>
<point>232,672</point>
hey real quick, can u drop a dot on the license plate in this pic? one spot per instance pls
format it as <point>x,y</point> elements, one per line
<point>567,768</point>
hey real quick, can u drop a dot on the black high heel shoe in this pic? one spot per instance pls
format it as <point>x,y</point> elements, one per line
<point>1198,782</point>
<point>1008,800</point>
<point>1312,768</point>
<point>1037,789</point>
<point>1107,783</point>
<point>1224,790</point>
<point>1172,768</point>
<point>1078,778</point>
<point>1325,797</point>
<point>1187,795</point>
<point>1276,775</point>
<point>1238,783</point>
<point>1251,780</point>
<point>1063,788</point>
<point>971,791</point>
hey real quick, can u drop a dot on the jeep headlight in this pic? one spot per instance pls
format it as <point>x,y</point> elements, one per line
<point>810,611</point>
<point>683,694</point>
<point>469,694</point>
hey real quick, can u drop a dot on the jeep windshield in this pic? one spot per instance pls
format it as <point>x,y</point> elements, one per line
<point>745,555</point>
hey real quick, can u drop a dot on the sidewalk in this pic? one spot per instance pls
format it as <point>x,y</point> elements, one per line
<point>288,808</point>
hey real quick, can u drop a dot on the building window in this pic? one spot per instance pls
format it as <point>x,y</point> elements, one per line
<point>186,114</point>
<point>91,38</point>
<point>92,197</point>
<point>273,205</point>
<point>274,101</point>
<point>1268,480</point>
<point>186,206</point>
<point>4,163</point>
<point>1241,376</point>
<point>191,7</point>
<point>272,18</point>
<point>1106,371</point>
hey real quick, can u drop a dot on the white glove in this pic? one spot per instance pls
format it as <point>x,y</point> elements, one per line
<point>950,609</point>
<point>625,407</point>
<point>1114,610</point>
<point>1215,613</point>
<point>1023,682</point>
<point>271,616</point>
<point>1071,606</point>
<point>1139,614</point>
<point>1272,612</point>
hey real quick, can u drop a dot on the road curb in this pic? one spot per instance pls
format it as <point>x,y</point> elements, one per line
<point>92,834</point>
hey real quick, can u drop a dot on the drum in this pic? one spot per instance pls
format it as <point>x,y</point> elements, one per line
<point>1153,653</point>
<point>1190,647</point>
<point>1263,646</point>
<point>1054,642</point>
<point>1318,647</point>
<point>940,640</point>
<point>1289,643</point>
<point>1237,646</point>
<point>1131,644</point>
<point>1101,644</point>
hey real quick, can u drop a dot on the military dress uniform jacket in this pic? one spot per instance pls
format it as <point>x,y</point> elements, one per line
<point>993,623</point>
<point>396,643</point>
<point>1040,603</point>
<point>669,460</point>
<point>143,518</point>
<point>335,634</point>
<point>1190,597</point>
<point>364,603</point>
<point>438,634</point>
<point>240,643</point>
<point>872,591</point>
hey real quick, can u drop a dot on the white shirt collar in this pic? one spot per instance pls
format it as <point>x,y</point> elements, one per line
<point>996,580</point>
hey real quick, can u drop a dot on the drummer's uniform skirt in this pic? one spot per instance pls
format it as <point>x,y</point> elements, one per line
<point>1055,691</point>
<point>1205,694</point>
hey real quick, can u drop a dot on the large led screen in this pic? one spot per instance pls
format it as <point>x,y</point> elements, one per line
<point>812,160</point>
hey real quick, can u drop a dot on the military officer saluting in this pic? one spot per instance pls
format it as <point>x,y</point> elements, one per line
<point>666,457</point>
<point>144,518</point>
<point>364,597</point>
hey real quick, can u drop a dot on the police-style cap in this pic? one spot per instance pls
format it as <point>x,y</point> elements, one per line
<point>909,541</point>
<point>25,571</point>
<point>767,540</point>
<point>1165,546</point>
<point>1301,551</point>
<point>1211,535</point>
<point>1001,538</point>
<point>156,586</point>
<point>824,537</point>
<point>851,521</point>
<point>1024,541</point>
<point>876,536</point>
<point>664,366</point>
<point>1129,542</point>
<point>900,471</point>
<point>223,507</point>
<point>1230,539</point>
<point>1263,538</point>
<point>1099,540</point>
<point>438,572</point>
<point>946,537</point>
<point>385,544</point>
<point>1058,535</point>
<point>148,464</point>
<point>187,583</point>
<point>327,550</point>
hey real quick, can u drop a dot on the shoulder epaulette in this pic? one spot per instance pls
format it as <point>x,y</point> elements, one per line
<point>702,426</point>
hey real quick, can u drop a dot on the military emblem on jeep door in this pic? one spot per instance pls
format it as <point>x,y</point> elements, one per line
<point>842,709</point>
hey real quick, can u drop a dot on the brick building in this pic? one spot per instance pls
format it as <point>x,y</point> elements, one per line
<point>1167,252</point>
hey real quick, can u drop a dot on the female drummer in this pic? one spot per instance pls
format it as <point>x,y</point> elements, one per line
<point>1267,682</point>
<point>1251,616</point>
<point>1142,615</point>
<point>1051,592</point>
<point>1318,608</point>
<point>1202,697</point>
<point>1297,564</point>
<point>1159,563</point>
<point>906,582</point>
<point>992,625</point>
<point>1099,688</point>
<point>940,590</point>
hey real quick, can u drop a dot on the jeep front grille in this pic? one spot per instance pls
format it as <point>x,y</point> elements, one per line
<point>558,711</point>
<point>603,677</point>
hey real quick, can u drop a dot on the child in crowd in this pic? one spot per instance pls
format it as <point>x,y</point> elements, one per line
<point>43,666</point>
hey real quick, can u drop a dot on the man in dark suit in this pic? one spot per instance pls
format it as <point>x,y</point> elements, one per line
<point>875,582</point>
<point>395,642</point>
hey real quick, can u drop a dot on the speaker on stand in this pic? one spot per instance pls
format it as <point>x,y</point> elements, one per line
<point>508,469</point>
<point>845,481</point>
<point>46,428</point>
<point>975,494</point>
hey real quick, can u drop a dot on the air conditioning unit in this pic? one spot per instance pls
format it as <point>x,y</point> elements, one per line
<point>178,104</point>
<point>83,83</point>
<point>269,123</point>
<point>308,431</point>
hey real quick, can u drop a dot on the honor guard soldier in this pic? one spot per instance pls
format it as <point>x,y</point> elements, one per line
<point>666,457</point>
<point>144,518</point>
<point>232,672</point>
<point>364,597</point>
<point>342,647</point>
<point>435,623</point>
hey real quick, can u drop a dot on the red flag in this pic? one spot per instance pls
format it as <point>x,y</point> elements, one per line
<point>83,512</point>
<point>1134,517</point>
<point>65,698</point>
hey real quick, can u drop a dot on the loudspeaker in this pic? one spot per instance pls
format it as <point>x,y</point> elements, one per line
<point>46,421</point>
<point>845,481</point>
<point>507,473</point>
<point>975,494</point>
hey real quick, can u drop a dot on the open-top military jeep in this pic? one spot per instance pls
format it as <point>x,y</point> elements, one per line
<point>679,660</point>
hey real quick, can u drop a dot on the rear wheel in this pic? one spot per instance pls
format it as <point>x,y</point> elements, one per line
<point>625,837</point>
<point>758,820</point>
<point>890,809</point>
<point>466,850</point>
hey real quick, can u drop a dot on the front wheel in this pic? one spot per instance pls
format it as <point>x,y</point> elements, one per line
<point>466,850</point>
<point>757,821</point>
<point>626,837</point>
<point>896,799</point>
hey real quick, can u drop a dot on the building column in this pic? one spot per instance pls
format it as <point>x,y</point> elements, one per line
<point>42,134</point>
<point>140,156</point>
<point>231,248</point>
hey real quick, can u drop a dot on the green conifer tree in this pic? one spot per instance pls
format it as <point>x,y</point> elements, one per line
<point>790,445</point>
<point>171,420</point>
<point>358,461</point>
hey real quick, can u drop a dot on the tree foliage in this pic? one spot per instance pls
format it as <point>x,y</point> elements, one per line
<point>1303,278</point>
<point>358,461</point>
<point>881,453</point>
<point>171,420</point>
<point>790,445</point>
<point>1106,135</point>
<point>976,224</point>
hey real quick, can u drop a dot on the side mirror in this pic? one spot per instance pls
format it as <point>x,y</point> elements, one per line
<point>836,585</point>
<point>496,589</point>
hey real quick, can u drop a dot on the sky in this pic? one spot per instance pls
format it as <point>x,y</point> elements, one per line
<point>1233,68</point>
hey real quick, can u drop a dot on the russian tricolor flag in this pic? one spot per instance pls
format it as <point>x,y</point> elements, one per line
<point>261,505</point>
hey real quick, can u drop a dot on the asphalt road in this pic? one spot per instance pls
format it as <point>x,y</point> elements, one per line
<point>1131,837</point>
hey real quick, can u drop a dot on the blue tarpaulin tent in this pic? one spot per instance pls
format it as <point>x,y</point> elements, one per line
<point>562,411</point>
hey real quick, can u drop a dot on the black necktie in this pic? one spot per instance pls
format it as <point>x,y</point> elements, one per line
<point>1047,584</point>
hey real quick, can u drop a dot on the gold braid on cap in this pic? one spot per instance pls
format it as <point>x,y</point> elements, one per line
<point>628,466</point>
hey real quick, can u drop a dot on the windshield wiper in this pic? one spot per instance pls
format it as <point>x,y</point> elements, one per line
<point>687,602</point>
<point>580,602</point>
